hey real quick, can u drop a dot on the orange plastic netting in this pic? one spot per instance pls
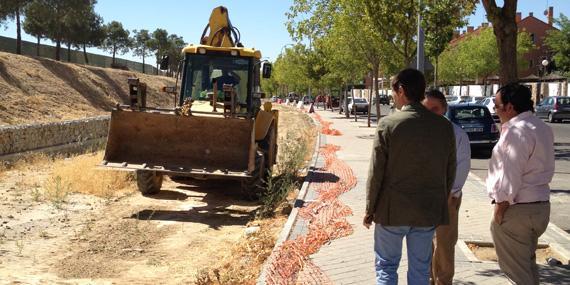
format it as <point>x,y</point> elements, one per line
<point>326,217</point>
<point>326,127</point>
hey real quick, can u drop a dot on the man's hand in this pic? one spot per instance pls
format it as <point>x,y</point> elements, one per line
<point>367,221</point>
<point>500,209</point>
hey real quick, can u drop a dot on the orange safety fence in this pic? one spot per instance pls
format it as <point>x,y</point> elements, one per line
<point>326,218</point>
<point>325,126</point>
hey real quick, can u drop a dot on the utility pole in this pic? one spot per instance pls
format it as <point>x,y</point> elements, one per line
<point>420,48</point>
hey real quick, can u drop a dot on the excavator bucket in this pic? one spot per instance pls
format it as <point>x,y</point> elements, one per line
<point>180,145</point>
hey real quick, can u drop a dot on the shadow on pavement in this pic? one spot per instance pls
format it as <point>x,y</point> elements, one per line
<point>562,154</point>
<point>214,217</point>
<point>323,177</point>
<point>366,137</point>
<point>225,204</point>
<point>554,274</point>
<point>548,274</point>
<point>481,153</point>
<point>169,195</point>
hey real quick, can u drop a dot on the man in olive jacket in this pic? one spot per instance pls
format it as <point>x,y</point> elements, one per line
<point>411,174</point>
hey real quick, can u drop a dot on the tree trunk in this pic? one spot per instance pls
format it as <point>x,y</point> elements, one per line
<point>346,111</point>
<point>114,52</point>
<point>370,104</point>
<point>57,49</point>
<point>68,52</point>
<point>507,43</point>
<point>143,59</point>
<point>505,29</point>
<point>375,73</point>
<point>38,46</point>
<point>157,59</point>
<point>18,32</point>
<point>85,54</point>
<point>435,70</point>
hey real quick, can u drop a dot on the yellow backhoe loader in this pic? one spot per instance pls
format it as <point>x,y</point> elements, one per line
<point>218,129</point>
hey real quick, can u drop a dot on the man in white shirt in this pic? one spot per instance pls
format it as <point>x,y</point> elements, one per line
<point>443,262</point>
<point>520,169</point>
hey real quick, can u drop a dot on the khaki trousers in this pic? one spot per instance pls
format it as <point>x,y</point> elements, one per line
<point>516,240</point>
<point>443,261</point>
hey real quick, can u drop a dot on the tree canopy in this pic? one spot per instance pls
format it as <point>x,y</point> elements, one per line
<point>559,43</point>
<point>476,56</point>
<point>117,39</point>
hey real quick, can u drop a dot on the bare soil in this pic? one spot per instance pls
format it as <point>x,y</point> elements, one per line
<point>35,89</point>
<point>487,253</point>
<point>123,238</point>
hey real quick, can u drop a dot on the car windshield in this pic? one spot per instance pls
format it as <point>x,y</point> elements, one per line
<point>450,98</point>
<point>203,72</point>
<point>359,100</point>
<point>470,113</point>
<point>563,101</point>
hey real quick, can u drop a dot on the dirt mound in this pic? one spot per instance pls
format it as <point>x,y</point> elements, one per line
<point>34,89</point>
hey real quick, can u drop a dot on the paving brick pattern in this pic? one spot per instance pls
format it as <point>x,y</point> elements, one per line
<point>350,260</point>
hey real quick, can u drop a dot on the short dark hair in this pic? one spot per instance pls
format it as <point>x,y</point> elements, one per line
<point>518,95</point>
<point>436,94</point>
<point>413,83</point>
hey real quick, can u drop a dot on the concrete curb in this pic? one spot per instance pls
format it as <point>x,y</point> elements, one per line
<point>299,201</point>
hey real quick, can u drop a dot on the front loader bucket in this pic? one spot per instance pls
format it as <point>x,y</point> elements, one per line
<point>180,145</point>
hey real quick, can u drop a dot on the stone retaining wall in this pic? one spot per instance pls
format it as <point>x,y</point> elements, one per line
<point>35,137</point>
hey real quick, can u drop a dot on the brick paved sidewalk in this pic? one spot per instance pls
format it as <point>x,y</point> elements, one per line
<point>350,260</point>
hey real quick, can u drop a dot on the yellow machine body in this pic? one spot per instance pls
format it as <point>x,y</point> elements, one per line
<point>199,138</point>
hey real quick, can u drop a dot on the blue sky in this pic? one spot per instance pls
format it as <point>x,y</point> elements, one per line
<point>262,23</point>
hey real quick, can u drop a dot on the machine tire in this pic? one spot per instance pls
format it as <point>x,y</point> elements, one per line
<point>253,187</point>
<point>149,182</point>
<point>269,147</point>
<point>551,118</point>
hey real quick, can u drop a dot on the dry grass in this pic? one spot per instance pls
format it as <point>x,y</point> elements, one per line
<point>26,162</point>
<point>242,264</point>
<point>79,175</point>
<point>42,90</point>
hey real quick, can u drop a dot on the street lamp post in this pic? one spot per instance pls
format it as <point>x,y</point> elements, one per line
<point>420,47</point>
<point>543,65</point>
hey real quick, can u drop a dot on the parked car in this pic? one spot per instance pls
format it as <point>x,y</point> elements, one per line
<point>360,104</point>
<point>293,97</point>
<point>477,122</point>
<point>478,100</point>
<point>452,99</point>
<point>307,99</point>
<point>489,102</point>
<point>384,99</point>
<point>554,108</point>
<point>467,99</point>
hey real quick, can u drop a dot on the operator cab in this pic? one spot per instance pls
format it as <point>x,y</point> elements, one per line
<point>219,71</point>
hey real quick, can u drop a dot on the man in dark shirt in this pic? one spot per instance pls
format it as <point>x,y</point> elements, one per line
<point>226,78</point>
<point>411,174</point>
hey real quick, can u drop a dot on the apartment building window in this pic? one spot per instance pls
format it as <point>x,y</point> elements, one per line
<point>532,38</point>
